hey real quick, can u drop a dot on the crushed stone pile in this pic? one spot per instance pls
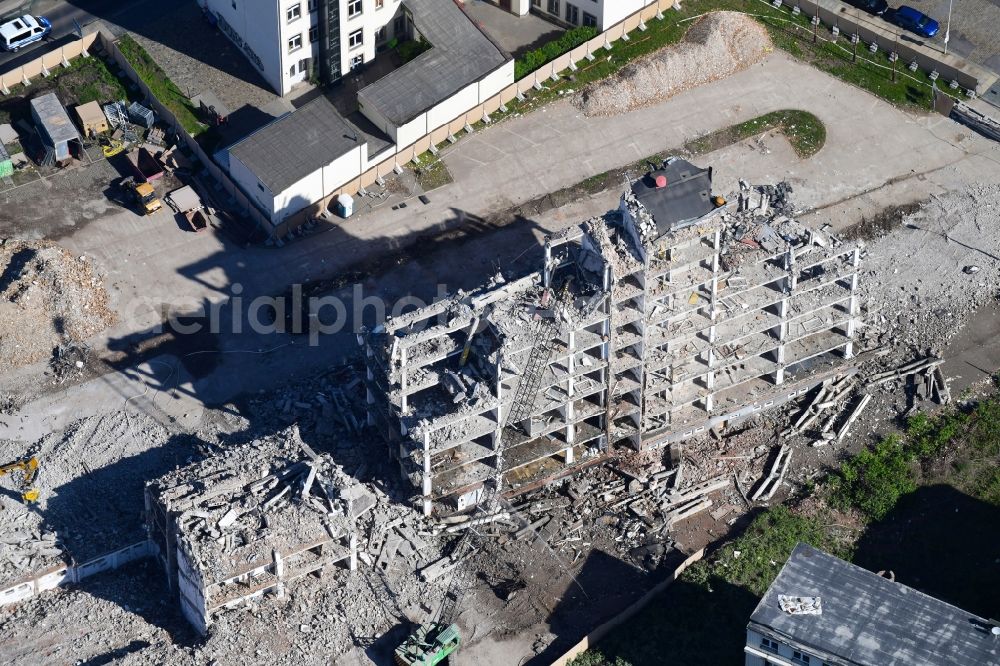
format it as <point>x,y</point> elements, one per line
<point>922,281</point>
<point>48,297</point>
<point>716,46</point>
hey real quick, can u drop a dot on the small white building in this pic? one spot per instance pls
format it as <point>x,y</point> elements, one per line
<point>308,154</point>
<point>600,14</point>
<point>823,611</point>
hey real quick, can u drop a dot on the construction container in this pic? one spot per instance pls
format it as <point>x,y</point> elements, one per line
<point>54,127</point>
<point>140,115</point>
<point>92,119</point>
<point>6,166</point>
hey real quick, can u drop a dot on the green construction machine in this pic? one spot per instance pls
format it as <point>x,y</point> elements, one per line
<point>429,645</point>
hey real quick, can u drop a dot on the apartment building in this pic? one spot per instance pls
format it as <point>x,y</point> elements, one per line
<point>823,611</point>
<point>291,41</point>
<point>600,14</point>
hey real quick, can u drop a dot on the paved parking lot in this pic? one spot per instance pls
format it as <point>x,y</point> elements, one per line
<point>975,28</point>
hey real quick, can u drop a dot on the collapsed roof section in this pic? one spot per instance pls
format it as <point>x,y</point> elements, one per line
<point>235,526</point>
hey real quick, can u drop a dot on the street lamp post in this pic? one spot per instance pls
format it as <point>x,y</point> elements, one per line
<point>947,30</point>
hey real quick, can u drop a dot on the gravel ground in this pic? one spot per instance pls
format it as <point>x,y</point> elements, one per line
<point>716,46</point>
<point>198,58</point>
<point>922,281</point>
<point>48,297</point>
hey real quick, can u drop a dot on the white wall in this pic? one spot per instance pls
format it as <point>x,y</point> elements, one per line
<point>369,22</point>
<point>607,12</point>
<point>250,184</point>
<point>496,81</point>
<point>256,22</point>
<point>611,12</point>
<point>288,29</point>
<point>449,109</point>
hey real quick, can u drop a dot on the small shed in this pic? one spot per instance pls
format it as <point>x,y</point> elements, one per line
<point>92,118</point>
<point>54,125</point>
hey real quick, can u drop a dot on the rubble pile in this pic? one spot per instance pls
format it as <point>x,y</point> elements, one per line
<point>716,46</point>
<point>921,282</point>
<point>47,297</point>
<point>25,552</point>
<point>110,452</point>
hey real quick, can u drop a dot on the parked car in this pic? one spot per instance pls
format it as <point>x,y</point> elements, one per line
<point>22,31</point>
<point>911,19</point>
<point>876,7</point>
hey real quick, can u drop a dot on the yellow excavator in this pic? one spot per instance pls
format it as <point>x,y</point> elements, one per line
<point>29,468</point>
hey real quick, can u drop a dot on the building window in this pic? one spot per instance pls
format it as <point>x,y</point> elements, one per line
<point>536,3</point>
<point>354,8</point>
<point>399,26</point>
<point>572,14</point>
<point>312,6</point>
<point>295,43</point>
<point>768,644</point>
<point>381,34</point>
<point>800,658</point>
<point>294,12</point>
<point>379,4</point>
<point>554,7</point>
<point>357,61</point>
<point>303,65</point>
<point>314,34</point>
<point>589,20</point>
<point>356,39</point>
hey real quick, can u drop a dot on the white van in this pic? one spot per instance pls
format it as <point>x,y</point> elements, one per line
<point>22,31</point>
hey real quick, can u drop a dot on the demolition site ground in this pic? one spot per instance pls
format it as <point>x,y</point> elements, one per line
<point>133,403</point>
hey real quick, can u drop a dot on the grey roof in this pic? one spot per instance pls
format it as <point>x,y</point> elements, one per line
<point>297,144</point>
<point>460,54</point>
<point>54,119</point>
<point>687,196</point>
<point>868,620</point>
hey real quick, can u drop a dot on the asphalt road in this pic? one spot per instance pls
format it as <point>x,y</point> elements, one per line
<point>130,14</point>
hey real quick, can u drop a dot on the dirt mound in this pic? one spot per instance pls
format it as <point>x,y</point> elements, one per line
<point>47,297</point>
<point>720,44</point>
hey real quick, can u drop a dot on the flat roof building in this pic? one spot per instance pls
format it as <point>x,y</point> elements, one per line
<point>823,610</point>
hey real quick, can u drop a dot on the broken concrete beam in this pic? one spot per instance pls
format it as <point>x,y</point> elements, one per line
<point>686,511</point>
<point>853,417</point>
<point>771,482</point>
<point>904,370</point>
<point>502,515</point>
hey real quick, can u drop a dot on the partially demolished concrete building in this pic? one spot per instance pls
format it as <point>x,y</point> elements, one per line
<point>237,526</point>
<point>676,313</point>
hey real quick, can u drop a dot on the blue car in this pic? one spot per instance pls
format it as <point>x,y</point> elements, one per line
<point>908,18</point>
<point>22,31</point>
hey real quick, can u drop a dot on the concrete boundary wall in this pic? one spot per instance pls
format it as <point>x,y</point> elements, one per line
<point>47,62</point>
<point>65,574</point>
<point>603,630</point>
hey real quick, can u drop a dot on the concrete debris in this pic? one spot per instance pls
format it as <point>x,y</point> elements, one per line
<point>49,297</point>
<point>800,605</point>
<point>715,46</point>
<point>779,468</point>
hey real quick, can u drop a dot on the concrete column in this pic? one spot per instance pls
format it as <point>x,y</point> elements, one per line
<point>570,410</point>
<point>546,266</point>
<point>404,400</point>
<point>427,483</point>
<point>279,573</point>
<point>353,565</point>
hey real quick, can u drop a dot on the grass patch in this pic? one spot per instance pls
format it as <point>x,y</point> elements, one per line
<point>432,172</point>
<point>804,131</point>
<point>165,90</point>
